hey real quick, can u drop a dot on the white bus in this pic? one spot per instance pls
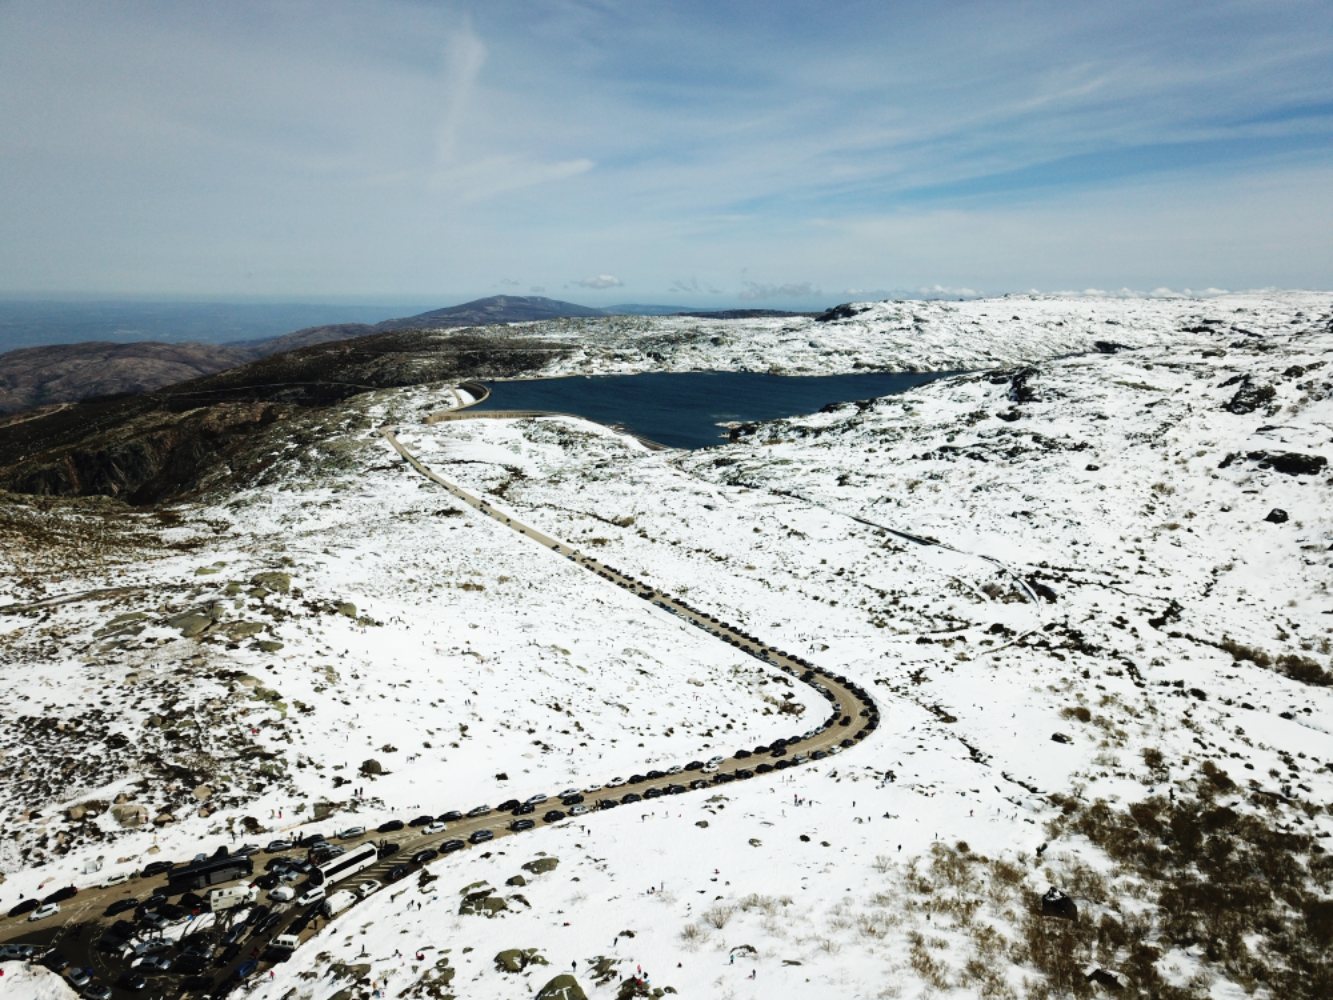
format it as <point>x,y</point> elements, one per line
<point>356,860</point>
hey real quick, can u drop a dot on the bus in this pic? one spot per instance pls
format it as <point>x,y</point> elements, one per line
<point>345,865</point>
<point>210,872</point>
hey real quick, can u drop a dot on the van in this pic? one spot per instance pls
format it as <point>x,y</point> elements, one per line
<point>312,895</point>
<point>220,900</point>
<point>338,902</point>
<point>286,942</point>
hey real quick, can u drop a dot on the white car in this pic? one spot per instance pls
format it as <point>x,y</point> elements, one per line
<point>568,792</point>
<point>282,893</point>
<point>436,827</point>
<point>44,911</point>
<point>116,879</point>
<point>350,832</point>
<point>715,760</point>
<point>366,888</point>
<point>312,895</point>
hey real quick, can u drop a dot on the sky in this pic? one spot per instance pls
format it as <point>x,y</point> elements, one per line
<point>713,153</point>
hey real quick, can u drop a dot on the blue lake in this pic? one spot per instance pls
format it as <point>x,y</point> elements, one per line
<point>683,409</point>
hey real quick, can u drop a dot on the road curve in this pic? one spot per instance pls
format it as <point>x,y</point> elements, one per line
<point>853,715</point>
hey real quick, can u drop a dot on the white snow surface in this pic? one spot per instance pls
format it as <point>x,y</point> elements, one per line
<point>472,652</point>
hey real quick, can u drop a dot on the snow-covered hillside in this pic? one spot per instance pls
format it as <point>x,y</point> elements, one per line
<point>1103,663</point>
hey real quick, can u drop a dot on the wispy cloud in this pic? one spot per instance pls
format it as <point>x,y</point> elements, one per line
<point>311,147</point>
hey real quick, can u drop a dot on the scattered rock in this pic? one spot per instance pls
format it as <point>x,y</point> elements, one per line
<point>482,904</point>
<point>371,767</point>
<point>129,814</point>
<point>191,623</point>
<point>539,866</point>
<point>1277,516</point>
<point>203,793</point>
<point>516,880</point>
<point>268,645</point>
<point>1060,738</point>
<point>346,608</point>
<point>163,819</point>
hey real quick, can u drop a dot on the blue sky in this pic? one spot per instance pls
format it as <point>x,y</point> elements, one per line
<point>775,153</point>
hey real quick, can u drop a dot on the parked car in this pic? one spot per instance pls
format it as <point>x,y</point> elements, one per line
<point>390,826</point>
<point>508,805</point>
<point>26,906</point>
<point>554,816</point>
<point>366,888</point>
<point>449,846</point>
<point>452,816</point>
<point>97,991</point>
<point>519,825</point>
<point>351,832</point>
<point>312,895</point>
<point>120,906</point>
<point>282,893</point>
<point>274,846</point>
<point>44,911</point>
<point>481,836</point>
<point>436,827</point>
<point>388,849</point>
<point>424,855</point>
<point>397,873</point>
<point>476,811</point>
<point>578,810</point>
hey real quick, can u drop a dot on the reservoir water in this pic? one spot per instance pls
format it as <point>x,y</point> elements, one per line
<point>684,409</point>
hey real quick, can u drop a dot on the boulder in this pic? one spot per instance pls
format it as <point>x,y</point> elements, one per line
<point>516,880</point>
<point>1249,397</point>
<point>1055,903</point>
<point>276,582</point>
<point>482,904</point>
<point>163,819</point>
<point>562,987</point>
<point>540,866</point>
<point>346,608</point>
<point>518,959</point>
<point>1277,516</point>
<point>1291,463</point>
<point>190,623</point>
<point>1060,738</point>
<point>129,814</point>
<point>371,767</point>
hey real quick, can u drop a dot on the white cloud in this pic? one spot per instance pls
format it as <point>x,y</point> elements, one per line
<point>601,281</point>
<point>755,291</point>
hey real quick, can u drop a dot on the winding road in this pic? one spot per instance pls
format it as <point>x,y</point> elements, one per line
<point>852,715</point>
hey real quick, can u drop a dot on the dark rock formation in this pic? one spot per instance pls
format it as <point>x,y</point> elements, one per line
<point>1055,903</point>
<point>1249,397</point>
<point>1277,516</point>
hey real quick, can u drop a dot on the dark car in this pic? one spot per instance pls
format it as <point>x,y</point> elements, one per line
<point>391,826</point>
<point>519,825</point>
<point>481,836</point>
<point>607,803</point>
<point>741,754</point>
<point>846,720</point>
<point>246,969</point>
<point>698,783</point>
<point>268,924</point>
<point>744,772</point>
<point>397,873</point>
<point>819,755</point>
<point>554,816</point>
<point>634,779</point>
<point>449,846</point>
<point>120,906</point>
<point>764,748</point>
<point>311,839</point>
<point>27,906</point>
<point>267,882</point>
<point>695,765</point>
<point>782,764</point>
<point>847,743</point>
<point>424,855</point>
<point>134,981</point>
<point>190,900</point>
<point>476,811</point>
<point>763,768</point>
<point>422,821</point>
<point>508,805</point>
<point>630,799</point>
<point>387,850</point>
<point>452,816</point>
<point>654,775</point>
<point>155,868</point>
<point>191,965</point>
<point>723,778</point>
<point>779,752</point>
<point>524,809</point>
<point>652,793</point>
<point>572,800</point>
<point>673,790</point>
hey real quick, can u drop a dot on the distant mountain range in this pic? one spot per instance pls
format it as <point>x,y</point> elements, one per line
<point>33,377</point>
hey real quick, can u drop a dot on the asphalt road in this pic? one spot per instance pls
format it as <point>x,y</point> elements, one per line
<point>73,932</point>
